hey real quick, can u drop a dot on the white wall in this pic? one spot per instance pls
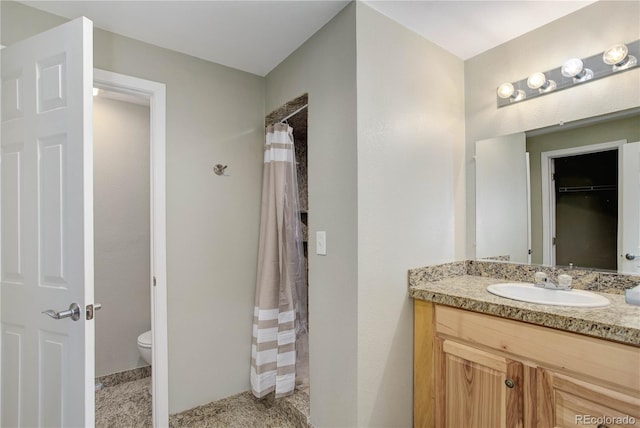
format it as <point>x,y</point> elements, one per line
<point>410,137</point>
<point>581,34</point>
<point>325,68</point>
<point>122,232</point>
<point>215,114</point>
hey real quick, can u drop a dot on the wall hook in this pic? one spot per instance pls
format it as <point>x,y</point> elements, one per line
<point>218,169</point>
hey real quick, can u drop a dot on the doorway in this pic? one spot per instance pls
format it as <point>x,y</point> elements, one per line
<point>295,114</point>
<point>121,219</point>
<point>586,209</point>
<point>154,92</point>
<point>581,205</point>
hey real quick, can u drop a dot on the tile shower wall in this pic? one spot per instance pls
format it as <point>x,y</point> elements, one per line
<point>121,225</point>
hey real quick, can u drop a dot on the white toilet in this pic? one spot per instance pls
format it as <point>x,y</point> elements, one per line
<point>144,346</point>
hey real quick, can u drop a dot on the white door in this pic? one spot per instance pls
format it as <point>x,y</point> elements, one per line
<point>47,228</point>
<point>629,220</point>
<point>502,198</point>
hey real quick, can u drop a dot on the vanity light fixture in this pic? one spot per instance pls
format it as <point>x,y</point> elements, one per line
<point>540,82</point>
<point>574,71</point>
<point>618,56</point>
<point>574,68</point>
<point>508,91</point>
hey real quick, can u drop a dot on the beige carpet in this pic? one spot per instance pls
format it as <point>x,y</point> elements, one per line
<point>129,405</point>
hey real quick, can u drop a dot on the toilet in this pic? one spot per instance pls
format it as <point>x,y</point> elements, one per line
<point>144,346</point>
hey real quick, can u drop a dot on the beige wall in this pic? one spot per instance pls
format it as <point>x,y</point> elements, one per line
<point>410,140</point>
<point>409,136</point>
<point>215,114</point>
<point>623,129</point>
<point>580,34</point>
<point>122,232</point>
<point>325,68</point>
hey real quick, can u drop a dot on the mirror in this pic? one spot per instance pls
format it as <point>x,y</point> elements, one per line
<point>565,195</point>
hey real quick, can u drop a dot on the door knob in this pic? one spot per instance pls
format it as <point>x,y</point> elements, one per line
<point>73,312</point>
<point>630,256</point>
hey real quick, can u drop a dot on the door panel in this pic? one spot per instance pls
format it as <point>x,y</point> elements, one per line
<point>11,225</point>
<point>53,231</point>
<point>474,394</point>
<point>502,198</point>
<point>570,403</point>
<point>47,223</point>
<point>474,391</point>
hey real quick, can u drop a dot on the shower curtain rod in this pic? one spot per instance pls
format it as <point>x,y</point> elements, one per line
<point>294,113</point>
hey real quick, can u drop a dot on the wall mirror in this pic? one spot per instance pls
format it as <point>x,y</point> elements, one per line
<point>565,195</point>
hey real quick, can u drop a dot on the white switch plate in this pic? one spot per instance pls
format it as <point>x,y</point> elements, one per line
<point>321,243</point>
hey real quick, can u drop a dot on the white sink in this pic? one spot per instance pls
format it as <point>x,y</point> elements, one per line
<point>527,292</point>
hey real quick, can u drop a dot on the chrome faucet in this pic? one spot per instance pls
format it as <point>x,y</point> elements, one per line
<point>542,280</point>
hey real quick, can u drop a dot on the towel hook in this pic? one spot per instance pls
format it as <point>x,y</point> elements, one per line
<point>218,169</point>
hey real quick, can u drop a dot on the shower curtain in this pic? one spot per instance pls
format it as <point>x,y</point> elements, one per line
<point>279,351</point>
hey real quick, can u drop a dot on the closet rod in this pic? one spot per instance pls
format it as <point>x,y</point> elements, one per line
<point>294,113</point>
<point>572,189</point>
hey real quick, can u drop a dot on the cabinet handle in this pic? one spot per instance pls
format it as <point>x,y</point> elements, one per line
<point>510,383</point>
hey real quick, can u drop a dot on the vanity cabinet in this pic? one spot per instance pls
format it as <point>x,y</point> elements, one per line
<point>477,370</point>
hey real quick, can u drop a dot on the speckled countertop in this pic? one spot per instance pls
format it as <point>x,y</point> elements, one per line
<point>451,285</point>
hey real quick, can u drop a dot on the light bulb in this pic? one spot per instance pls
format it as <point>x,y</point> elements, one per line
<point>571,67</point>
<point>574,67</point>
<point>618,56</point>
<point>536,80</point>
<point>615,54</point>
<point>539,81</point>
<point>506,90</point>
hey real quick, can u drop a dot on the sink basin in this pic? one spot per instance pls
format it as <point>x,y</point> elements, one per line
<point>527,292</point>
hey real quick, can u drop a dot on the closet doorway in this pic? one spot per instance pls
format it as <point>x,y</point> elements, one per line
<point>582,205</point>
<point>586,205</point>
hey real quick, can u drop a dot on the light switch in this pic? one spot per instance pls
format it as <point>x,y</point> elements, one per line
<point>321,243</point>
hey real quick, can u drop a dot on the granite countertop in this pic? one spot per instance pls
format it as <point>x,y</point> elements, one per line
<point>619,321</point>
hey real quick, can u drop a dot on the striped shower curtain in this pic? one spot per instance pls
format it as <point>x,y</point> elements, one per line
<point>279,352</point>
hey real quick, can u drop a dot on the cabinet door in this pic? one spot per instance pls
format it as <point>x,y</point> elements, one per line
<point>568,402</point>
<point>475,388</point>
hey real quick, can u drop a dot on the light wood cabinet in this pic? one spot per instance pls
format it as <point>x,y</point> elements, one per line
<point>569,402</point>
<point>480,389</point>
<point>476,370</point>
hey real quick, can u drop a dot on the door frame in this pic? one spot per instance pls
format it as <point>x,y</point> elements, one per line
<point>627,193</point>
<point>527,159</point>
<point>549,196</point>
<point>155,92</point>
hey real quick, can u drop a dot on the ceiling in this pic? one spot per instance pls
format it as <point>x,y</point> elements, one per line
<point>255,36</point>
